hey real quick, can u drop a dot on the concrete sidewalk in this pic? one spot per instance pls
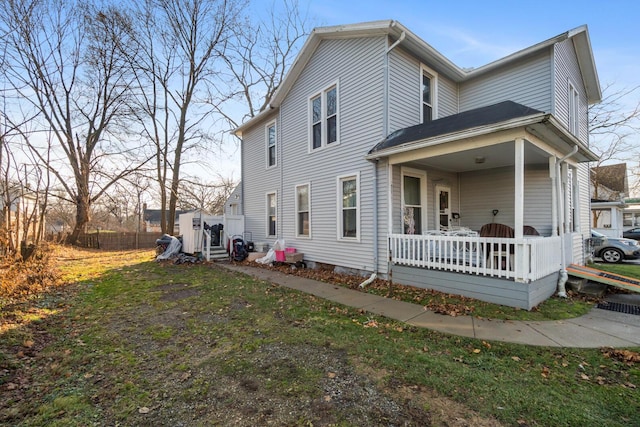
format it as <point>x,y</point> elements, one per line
<point>599,328</point>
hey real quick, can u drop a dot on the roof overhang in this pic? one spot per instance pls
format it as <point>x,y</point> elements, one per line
<point>608,205</point>
<point>542,125</point>
<point>262,116</point>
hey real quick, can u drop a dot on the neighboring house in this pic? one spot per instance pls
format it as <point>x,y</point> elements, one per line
<point>233,205</point>
<point>609,187</point>
<point>631,214</point>
<point>151,220</point>
<point>20,214</point>
<point>380,155</point>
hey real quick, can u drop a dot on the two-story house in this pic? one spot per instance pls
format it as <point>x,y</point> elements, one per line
<point>378,154</point>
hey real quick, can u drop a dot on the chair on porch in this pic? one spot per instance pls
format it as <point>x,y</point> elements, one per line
<point>504,251</point>
<point>498,255</point>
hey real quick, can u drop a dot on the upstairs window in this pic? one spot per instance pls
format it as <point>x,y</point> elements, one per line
<point>574,110</point>
<point>324,118</point>
<point>428,94</point>
<point>271,144</point>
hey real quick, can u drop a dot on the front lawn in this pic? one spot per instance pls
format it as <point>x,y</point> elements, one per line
<point>135,342</point>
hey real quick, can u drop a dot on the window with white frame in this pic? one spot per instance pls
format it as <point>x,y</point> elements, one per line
<point>348,207</point>
<point>271,144</point>
<point>324,118</point>
<point>271,214</point>
<point>413,200</point>
<point>574,110</point>
<point>428,85</point>
<point>303,211</point>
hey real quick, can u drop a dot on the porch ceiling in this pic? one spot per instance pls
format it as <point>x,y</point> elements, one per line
<point>489,157</point>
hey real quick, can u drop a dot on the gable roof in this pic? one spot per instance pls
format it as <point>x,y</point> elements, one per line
<point>614,177</point>
<point>478,117</point>
<point>154,215</point>
<point>411,42</point>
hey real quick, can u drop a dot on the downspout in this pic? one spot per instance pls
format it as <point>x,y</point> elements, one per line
<point>375,226</point>
<point>564,276</point>
<point>385,131</point>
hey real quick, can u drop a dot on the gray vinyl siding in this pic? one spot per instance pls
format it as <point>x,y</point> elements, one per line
<point>447,96</point>
<point>234,198</point>
<point>528,82</point>
<point>404,86</point>
<point>356,65</point>
<point>490,289</point>
<point>404,91</point>
<point>567,70</point>
<point>484,191</point>
<point>257,181</point>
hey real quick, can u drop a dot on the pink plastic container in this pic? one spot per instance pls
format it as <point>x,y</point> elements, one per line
<point>280,256</point>
<point>290,250</point>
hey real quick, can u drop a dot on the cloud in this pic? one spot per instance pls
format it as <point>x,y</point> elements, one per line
<point>467,47</point>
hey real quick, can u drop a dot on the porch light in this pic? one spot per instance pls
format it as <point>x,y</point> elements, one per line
<point>480,159</point>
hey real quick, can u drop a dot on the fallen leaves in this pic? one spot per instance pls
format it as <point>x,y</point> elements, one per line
<point>545,372</point>
<point>627,356</point>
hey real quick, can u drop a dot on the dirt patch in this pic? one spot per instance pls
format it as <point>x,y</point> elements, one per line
<point>179,364</point>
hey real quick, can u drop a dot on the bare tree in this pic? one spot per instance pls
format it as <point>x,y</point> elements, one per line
<point>181,46</point>
<point>65,60</point>
<point>210,197</point>
<point>613,124</point>
<point>259,56</point>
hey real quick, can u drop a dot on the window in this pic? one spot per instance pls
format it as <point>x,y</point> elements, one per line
<point>271,144</point>
<point>428,85</point>
<point>303,211</point>
<point>271,214</point>
<point>324,118</point>
<point>349,202</point>
<point>574,110</point>
<point>413,197</point>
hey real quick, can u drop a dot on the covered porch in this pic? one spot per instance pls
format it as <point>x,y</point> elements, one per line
<point>492,211</point>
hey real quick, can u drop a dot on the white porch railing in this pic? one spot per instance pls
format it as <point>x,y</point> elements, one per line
<point>522,260</point>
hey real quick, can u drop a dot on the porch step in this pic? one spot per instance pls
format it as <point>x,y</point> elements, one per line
<point>604,277</point>
<point>218,253</point>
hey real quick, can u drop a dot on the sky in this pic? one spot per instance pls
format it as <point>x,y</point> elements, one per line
<point>474,33</point>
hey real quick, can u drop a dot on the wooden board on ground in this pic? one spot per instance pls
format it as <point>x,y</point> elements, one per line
<point>605,277</point>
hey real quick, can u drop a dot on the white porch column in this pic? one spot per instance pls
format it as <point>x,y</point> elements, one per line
<point>521,254</point>
<point>554,196</point>
<point>567,197</point>
<point>577,211</point>
<point>518,210</point>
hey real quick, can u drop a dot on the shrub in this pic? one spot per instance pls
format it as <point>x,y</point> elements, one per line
<point>23,277</point>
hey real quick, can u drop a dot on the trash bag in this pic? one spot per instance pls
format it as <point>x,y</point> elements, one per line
<point>270,257</point>
<point>173,248</point>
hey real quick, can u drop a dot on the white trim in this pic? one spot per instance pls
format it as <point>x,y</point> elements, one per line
<point>422,175</point>
<point>434,92</point>
<point>266,201</point>
<point>573,108</point>
<point>308,185</point>
<point>266,132</point>
<point>323,117</point>
<point>339,231</point>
